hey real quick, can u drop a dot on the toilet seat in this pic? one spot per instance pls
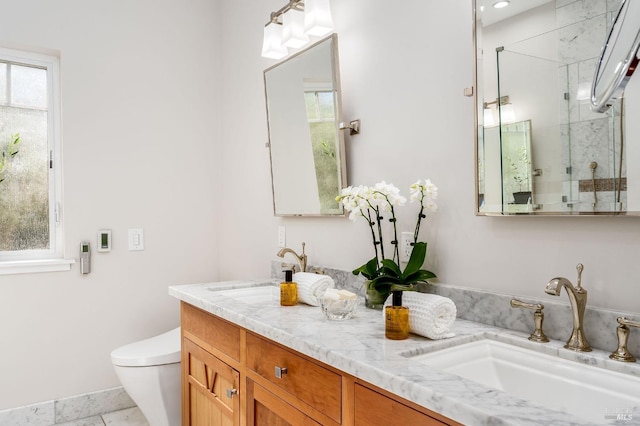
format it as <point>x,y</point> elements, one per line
<point>158,350</point>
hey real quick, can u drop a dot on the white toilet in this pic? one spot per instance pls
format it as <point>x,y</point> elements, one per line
<point>149,371</point>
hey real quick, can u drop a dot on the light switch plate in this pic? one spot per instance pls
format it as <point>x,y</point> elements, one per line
<point>136,239</point>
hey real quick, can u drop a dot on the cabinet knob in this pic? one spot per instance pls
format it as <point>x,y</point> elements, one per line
<point>280,371</point>
<point>231,392</point>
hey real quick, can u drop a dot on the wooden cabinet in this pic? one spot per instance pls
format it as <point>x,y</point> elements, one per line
<point>234,377</point>
<point>214,334</point>
<point>265,408</point>
<point>374,409</point>
<point>211,383</point>
<point>210,389</point>
<point>311,384</point>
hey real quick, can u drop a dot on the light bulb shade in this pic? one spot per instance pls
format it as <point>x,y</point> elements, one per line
<point>507,114</point>
<point>584,91</point>
<point>272,44</point>
<point>488,118</point>
<point>317,17</point>
<point>293,29</point>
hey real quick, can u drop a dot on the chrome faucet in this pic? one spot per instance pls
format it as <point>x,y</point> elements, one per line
<point>538,317</point>
<point>622,353</point>
<point>302,259</point>
<point>578,299</point>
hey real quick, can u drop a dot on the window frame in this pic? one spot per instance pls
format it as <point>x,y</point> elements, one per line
<point>51,259</point>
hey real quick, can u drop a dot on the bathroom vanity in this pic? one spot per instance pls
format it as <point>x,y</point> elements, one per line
<point>247,361</point>
<point>232,376</point>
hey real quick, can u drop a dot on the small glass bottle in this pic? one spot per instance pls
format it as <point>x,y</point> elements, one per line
<point>288,290</point>
<point>396,318</point>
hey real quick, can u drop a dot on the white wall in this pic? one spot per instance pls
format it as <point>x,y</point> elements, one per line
<point>157,133</point>
<point>140,127</point>
<point>403,72</point>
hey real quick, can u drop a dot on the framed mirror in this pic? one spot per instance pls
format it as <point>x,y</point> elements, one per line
<point>308,167</point>
<point>535,62</point>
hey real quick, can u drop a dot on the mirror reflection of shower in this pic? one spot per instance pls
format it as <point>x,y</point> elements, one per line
<point>544,60</point>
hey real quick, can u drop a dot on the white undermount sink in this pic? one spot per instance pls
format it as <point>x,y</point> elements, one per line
<point>590,393</point>
<point>260,295</point>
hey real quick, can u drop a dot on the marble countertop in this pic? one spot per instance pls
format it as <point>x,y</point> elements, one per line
<point>358,347</point>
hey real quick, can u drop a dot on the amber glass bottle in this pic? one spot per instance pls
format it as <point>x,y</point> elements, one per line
<point>288,290</point>
<point>396,318</point>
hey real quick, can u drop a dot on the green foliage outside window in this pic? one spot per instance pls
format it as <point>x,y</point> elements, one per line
<point>8,154</point>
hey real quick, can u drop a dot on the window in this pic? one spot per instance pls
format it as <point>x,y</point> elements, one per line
<point>30,226</point>
<point>320,103</point>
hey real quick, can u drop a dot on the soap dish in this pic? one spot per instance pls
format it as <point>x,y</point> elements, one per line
<point>337,310</point>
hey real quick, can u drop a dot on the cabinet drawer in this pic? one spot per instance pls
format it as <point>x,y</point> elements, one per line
<point>213,333</point>
<point>305,380</point>
<point>374,409</point>
<point>265,408</point>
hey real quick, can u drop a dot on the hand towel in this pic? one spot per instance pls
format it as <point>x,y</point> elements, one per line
<point>311,286</point>
<point>430,315</point>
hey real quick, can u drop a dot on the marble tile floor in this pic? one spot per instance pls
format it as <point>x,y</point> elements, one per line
<point>128,417</point>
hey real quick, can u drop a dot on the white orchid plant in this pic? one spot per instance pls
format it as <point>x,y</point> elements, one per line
<point>371,203</point>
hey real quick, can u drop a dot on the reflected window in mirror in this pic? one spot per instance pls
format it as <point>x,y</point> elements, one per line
<point>321,116</point>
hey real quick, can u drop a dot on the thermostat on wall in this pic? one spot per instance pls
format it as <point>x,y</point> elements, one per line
<point>104,240</point>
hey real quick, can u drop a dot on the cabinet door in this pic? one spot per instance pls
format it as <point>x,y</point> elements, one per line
<point>266,409</point>
<point>374,409</point>
<point>210,389</point>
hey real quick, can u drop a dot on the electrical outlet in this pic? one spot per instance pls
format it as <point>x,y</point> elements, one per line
<point>282,237</point>
<point>406,247</point>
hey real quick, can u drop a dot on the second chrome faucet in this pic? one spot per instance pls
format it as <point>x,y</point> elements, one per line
<point>578,300</point>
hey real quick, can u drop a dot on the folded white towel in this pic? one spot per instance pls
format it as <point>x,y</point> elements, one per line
<point>312,286</point>
<point>430,315</point>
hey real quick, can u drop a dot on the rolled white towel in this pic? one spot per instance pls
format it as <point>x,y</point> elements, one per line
<point>430,315</point>
<point>312,286</point>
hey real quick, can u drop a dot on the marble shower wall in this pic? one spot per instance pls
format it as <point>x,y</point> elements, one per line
<point>586,136</point>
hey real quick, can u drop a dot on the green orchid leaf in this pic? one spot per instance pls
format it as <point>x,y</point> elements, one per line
<point>369,270</point>
<point>392,267</point>
<point>416,260</point>
<point>421,276</point>
<point>384,283</point>
<point>382,287</point>
<point>403,287</point>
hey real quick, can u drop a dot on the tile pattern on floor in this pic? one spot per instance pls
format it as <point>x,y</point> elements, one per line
<point>127,417</point>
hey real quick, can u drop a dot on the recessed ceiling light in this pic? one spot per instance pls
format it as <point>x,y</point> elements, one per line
<point>501,4</point>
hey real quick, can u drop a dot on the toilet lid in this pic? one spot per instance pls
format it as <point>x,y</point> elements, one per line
<point>158,350</point>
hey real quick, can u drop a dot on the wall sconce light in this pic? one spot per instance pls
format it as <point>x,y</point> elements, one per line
<point>584,91</point>
<point>507,114</point>
<point>506,111</point>
<point>488,117</point>
<point>299,20</point>
<point>272,45</point>
<point>317,17</point>
<point>293,28</point>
